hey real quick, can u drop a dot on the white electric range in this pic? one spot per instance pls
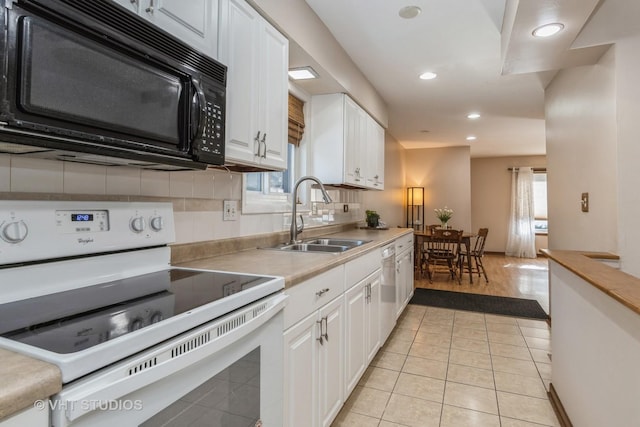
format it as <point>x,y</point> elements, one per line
<point>88,286</point>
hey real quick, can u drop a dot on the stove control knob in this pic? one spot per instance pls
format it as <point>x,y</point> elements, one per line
<point>14,232</point>
<point>156,317</point>
<point>156,223</point>
<point>138,224</point>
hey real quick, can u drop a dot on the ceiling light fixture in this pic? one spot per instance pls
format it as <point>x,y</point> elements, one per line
<point>548,30</point>
<point>409,12</point>
<point>471,138</point>
<point>303,73</point>
<point>473,116</point>
<point>429,75</point>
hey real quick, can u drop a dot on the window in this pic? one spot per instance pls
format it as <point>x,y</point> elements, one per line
<point>272,182</point>
<point>540,201</point>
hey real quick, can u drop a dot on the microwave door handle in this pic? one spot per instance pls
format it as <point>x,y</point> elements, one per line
<point>199,105</point>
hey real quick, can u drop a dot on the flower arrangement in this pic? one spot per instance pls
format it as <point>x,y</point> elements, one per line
<point>372,218</point>
<point>444,214</point>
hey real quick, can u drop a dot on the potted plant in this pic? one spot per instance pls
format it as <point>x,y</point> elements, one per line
<point>372,219</point>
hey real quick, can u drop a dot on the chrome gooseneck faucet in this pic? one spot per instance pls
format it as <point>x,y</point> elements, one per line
<point>294,221</point>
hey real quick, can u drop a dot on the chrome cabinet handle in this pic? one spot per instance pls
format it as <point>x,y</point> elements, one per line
<point>264,142</point>
<point>322,292</point>
<point>150,8</point>
<point>257,140</point>
<point>320,337</point>
<point>326,327</point>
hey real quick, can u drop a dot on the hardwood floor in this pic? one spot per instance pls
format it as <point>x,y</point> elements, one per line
<point>508,277</point>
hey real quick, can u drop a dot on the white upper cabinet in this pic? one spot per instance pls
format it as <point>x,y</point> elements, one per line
<point>195,22</point>
<point>347,145</point>
<point>257,57</point>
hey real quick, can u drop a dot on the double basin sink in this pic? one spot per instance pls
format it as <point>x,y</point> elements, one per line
<point>322,245</point>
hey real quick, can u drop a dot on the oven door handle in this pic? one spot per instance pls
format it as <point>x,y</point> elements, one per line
<point>164,360</point>
<point>198,111</point>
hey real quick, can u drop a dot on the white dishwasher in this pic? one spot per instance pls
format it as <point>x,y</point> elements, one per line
<point>388,292</point>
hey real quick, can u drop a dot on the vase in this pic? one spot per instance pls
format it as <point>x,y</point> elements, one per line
<point>443,225</point>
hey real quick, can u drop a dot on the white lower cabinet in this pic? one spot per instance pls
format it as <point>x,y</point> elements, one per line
<point>313,366</point>
<point>404,273</point>
<point>31,417</point>
<point>362,309</point>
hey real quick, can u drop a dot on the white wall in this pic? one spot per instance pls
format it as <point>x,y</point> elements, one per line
<point>445,174</point>
<point>627,70</point>
<point>582,156</point>
<point>491,197</point>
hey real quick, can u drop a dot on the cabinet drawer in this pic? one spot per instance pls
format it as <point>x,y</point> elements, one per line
<point>404,243</point>
<point>361,267</point>
<point>310,295</point>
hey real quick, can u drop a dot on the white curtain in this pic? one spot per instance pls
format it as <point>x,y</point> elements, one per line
<point>521,241</point>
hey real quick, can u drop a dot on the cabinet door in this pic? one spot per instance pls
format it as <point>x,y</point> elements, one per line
<point>401,280</point>
<point>409,276</point>
<point>301,373</point>
<point>374,153</point>
<point>241,56</point>
<point>354,118</point>
<point>373,316</point>
<point>331,362</point>
<point>355,335</point>
<point>274,89</point>
<point>195,21</point>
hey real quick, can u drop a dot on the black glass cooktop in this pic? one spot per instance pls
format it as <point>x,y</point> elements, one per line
<point>73,320</point>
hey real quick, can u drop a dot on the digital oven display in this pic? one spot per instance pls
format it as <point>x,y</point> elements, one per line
<point>81,217</point>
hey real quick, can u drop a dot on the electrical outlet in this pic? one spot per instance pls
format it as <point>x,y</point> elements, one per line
<point>230,210</point>
<point>345,208</point>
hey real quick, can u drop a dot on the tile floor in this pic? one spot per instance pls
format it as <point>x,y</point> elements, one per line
<point>451,368</point>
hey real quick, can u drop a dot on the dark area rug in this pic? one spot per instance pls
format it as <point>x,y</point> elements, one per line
<point>483,303</point>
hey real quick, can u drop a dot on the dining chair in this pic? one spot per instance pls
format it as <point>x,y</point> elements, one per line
<point>473,257</point>
<point>442,247</point>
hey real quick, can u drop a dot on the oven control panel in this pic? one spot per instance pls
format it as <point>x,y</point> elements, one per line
<point>41,230</point>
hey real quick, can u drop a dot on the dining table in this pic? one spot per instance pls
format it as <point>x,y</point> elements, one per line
<point>420,236</point>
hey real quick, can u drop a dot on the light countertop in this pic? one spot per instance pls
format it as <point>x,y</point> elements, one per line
<point>25,380</point>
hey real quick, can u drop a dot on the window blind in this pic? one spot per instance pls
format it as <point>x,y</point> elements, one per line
<point>296,120</point>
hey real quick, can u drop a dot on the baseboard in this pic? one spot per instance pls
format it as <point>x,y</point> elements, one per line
<point>558,408</point>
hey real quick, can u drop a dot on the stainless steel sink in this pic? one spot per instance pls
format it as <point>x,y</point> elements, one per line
<point>321,245</point>
<point>340,242</point>
<point>310,247</point>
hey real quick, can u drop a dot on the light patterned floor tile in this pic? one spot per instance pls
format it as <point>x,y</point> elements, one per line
<point>494,318</point>
<point>519,384</point>
<point>510,339</point>
<point>470,376</point>
<point>530,323</point>
<point>512,351</point>
<point>539,343</point>
<point>389,360</point>
<point>503,328</point>
<point>469,316</point>
<point>470,358</point>
<point>535,332</point>
<point>544,369</point>
<point>367,401</point>
<point>380,379</point>
<point>471,397</point>
<point>469,324</point>
<point>436,340</point>
<point>421,387</point>
<point>429,352</point>
<point>527,408</point>
<point>514,366</point>
<point>470,345</point>
<point>472,334</point>
<point>453,416</point>
<point>510,422</point>
<point>425,367</point>
<point>413,412</point>
<point>352,419</point>
<point>397,346</point>
<point>403,334</point>
<point>541,356</point>
<point>436,329</point>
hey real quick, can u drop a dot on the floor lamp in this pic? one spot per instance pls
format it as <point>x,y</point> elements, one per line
<point>415,208</point>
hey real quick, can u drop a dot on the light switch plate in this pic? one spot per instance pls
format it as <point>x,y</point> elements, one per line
<point>230,210</point>
<point>584,202</point>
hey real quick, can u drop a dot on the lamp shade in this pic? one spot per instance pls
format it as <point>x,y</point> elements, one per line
<point>415,196</point>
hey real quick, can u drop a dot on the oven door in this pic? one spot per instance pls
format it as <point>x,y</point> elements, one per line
<point>226,373</point>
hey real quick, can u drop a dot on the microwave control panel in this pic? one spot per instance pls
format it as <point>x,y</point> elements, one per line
<point>209,147</point>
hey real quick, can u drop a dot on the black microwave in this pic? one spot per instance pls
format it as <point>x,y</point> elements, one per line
<point>89,81</point>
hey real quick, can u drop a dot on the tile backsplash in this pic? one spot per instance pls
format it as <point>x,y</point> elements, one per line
<point>196,195</point>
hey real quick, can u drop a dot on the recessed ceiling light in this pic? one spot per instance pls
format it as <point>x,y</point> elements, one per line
<point>429,75</point>
<point>303,73</point>
<point>473,116</point>
<point>548,29</point>
<point>471,138</point>
<point>409,12</point>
